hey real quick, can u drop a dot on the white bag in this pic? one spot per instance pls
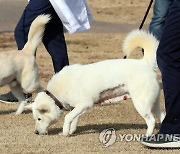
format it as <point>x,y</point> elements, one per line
<point>74,14</point>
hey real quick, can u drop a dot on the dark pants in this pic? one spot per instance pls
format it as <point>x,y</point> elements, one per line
<point>168,57</point>
<point>53,39</point>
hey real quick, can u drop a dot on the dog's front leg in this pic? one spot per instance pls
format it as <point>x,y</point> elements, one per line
<point>74,125</point>
<point>72,118</point>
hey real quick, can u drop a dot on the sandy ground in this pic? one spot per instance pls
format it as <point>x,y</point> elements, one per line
<point>17,132</point>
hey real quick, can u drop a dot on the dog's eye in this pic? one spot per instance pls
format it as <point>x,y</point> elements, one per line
<point>39,119</point>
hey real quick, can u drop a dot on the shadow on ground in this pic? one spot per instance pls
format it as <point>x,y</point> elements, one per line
<point>97,128</point>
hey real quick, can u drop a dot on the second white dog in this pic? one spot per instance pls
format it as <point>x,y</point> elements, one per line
<point>80,86</point>
<point>19,69</point>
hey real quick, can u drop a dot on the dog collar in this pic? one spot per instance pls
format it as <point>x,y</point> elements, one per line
<point>57,102</point>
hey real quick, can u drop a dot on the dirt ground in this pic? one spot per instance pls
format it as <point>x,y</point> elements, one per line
<point>17,132</point>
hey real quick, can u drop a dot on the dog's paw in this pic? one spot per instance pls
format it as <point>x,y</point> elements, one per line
<point>72,131</point>
<point>64,134</point>
<point>15,113</point>
<point>60,133</point>
<point>18,113</point>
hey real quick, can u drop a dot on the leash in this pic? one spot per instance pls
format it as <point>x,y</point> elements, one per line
<point>146,14</point>
<point>143,21</point>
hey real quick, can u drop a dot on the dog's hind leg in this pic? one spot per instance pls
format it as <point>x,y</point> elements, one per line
<point>73,115</point>
<point>157,111</point>
<point>18,93</point>
<point>30,82</point>
<point>145,111</point>
<point>150,121</point>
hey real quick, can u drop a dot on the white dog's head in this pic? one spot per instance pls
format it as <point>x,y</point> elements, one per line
<point>45,113</point>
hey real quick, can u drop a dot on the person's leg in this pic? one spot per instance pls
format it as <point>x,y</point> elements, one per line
<point>168,58</point>
<point>54,41</point>
<point>32,10</point>
<point>161,8</point>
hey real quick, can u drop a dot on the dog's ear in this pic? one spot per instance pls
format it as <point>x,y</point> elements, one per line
<point>43,109</point>
<point>29,107</point>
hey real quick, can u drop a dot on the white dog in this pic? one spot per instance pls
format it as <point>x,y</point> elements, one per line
<point>19,69</point>
<point>80,86</point>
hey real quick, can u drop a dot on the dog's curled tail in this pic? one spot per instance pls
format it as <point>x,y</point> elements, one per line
<point>142,39</point>
<point>36,33</point>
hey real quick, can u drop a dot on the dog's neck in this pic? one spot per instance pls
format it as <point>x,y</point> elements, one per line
<point>57,102</point>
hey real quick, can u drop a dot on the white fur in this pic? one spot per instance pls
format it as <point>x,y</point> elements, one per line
<point>79,86</point>
<point>19,69</point>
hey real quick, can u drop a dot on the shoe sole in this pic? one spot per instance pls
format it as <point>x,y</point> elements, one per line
<point>8,102</point>
<point>163,145</point>
<point>15,102</point>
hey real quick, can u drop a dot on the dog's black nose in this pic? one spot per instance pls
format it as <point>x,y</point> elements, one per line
<point>125,57</point>
<point>36,132</point>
